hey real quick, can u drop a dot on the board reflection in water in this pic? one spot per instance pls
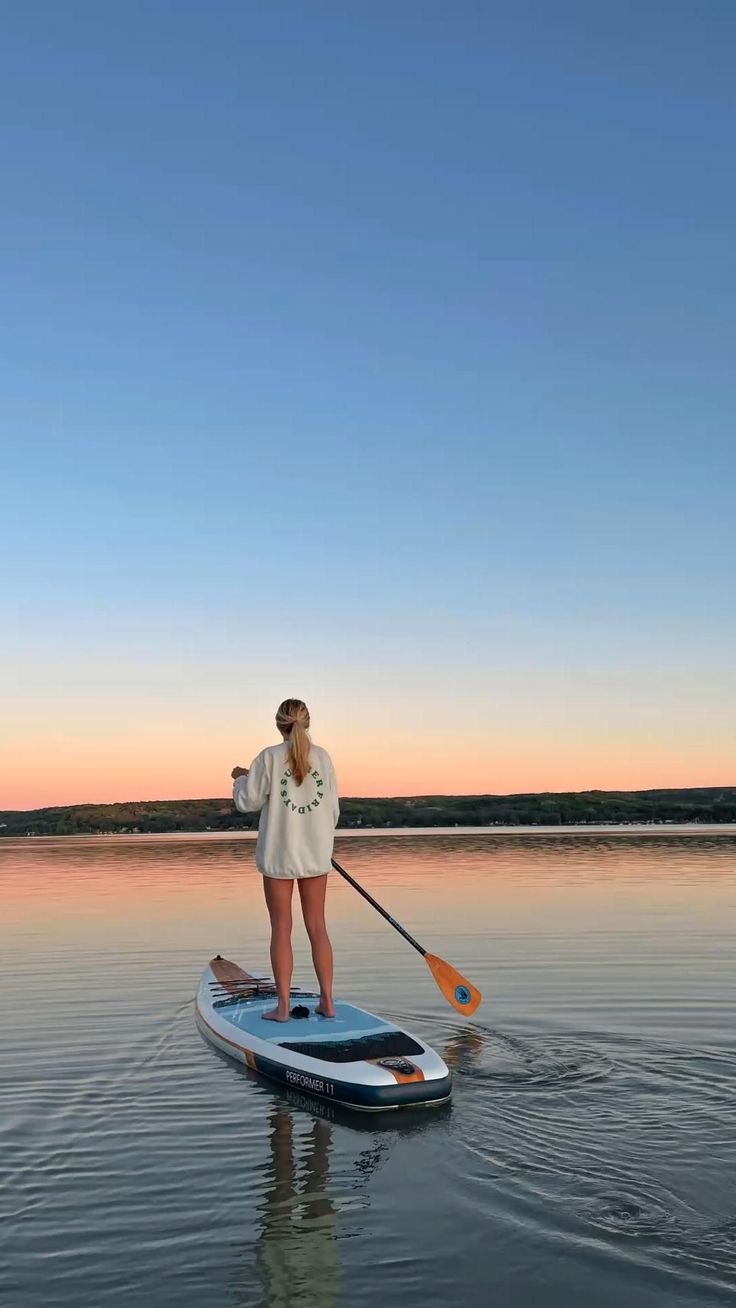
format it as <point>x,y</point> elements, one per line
<point>297,1257</point>
<point>296,1260</point>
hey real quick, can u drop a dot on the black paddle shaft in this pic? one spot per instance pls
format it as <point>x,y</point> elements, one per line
<point>397,925</point>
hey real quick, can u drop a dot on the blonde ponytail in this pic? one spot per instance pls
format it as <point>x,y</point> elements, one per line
<point>292,718</point>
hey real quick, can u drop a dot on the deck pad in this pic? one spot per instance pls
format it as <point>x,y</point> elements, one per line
<point>348,1023</point>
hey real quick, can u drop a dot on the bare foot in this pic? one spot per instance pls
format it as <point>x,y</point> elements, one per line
<point>324,1009</point>
<point>276,1015</point>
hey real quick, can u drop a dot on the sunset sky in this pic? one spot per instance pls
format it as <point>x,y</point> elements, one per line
<point>380,355</point>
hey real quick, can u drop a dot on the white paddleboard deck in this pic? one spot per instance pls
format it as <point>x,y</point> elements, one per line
<point>355,1058</point>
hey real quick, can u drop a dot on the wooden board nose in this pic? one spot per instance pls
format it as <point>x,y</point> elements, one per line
<point>230,975</point>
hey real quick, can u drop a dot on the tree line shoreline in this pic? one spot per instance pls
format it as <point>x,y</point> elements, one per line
<point>707,805</point>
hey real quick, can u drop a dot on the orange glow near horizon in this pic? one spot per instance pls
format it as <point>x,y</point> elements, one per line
<point>106,744</point>
<point>92,774</point>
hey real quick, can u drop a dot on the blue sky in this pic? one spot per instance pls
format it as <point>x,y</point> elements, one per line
<point>383,348</point>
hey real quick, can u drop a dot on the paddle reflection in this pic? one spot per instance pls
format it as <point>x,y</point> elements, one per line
<point>463,1049</point>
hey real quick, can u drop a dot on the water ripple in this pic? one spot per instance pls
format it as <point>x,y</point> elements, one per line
<point>588,1155</point>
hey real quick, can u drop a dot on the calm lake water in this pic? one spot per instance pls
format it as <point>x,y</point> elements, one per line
<point>589,1152</point>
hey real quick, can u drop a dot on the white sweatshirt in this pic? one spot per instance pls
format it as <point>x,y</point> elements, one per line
<point>297,825</point>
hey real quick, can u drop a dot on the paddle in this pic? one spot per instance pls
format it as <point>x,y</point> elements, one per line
<point>457,991</point>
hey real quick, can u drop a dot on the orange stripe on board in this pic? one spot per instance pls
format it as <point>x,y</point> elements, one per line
<point>401,1077</point>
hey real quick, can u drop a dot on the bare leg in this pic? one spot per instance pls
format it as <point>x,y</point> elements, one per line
<point>312,894</point>
<point>278,900</point>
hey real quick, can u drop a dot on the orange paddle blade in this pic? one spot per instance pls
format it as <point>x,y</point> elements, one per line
<point>457,991</point>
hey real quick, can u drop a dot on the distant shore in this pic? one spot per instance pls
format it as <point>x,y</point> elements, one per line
<point>589,810</point>
<point>349,833</point>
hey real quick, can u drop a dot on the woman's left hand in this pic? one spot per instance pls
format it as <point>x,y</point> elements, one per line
<point>238,772</point>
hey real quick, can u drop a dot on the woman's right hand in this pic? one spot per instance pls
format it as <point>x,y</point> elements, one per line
<point>239,772</point>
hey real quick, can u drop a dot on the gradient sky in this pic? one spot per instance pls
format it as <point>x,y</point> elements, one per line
<point>379,354</point>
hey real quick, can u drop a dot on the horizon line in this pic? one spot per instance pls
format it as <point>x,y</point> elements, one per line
<point>487,794</point>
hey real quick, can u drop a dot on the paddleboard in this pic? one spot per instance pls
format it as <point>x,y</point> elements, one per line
<point>356,1058</point>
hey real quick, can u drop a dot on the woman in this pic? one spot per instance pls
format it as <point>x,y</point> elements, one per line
<point>294,784</point>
